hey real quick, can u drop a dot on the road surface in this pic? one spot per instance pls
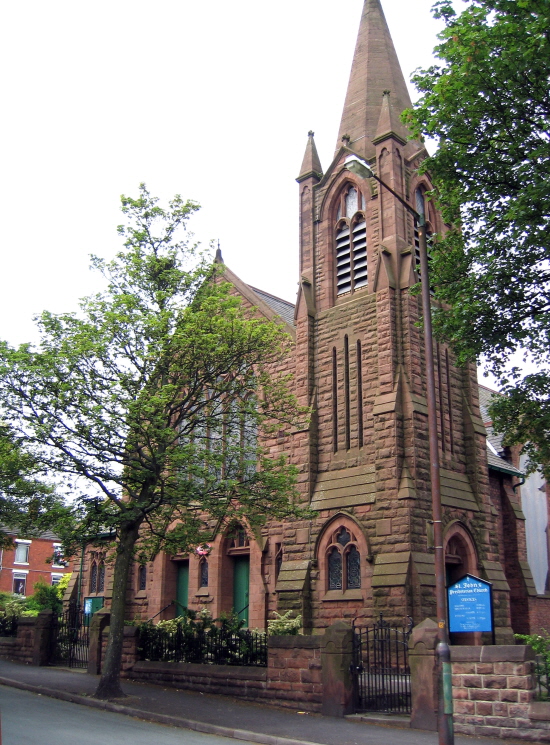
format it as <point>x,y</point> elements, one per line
<point>31,719</point>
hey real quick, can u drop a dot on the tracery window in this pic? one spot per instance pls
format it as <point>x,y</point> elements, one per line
<point>343,561</point>
<point>203,572</point>
<point>420,206</point>
<point>351,243</point>
<point>238,540</point>
<point>142,577</point>
<point>93,577</point>
<point>101,577</point>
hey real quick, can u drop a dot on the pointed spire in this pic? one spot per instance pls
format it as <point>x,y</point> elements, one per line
<point>218,258</point>
<point>389,122</point>
<point>311,165</point>
<point>375,69</point>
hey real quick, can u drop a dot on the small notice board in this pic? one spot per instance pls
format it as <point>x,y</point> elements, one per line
<point>470,603</point>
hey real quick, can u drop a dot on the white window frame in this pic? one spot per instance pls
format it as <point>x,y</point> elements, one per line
<point>21,542</point>
<point>20,574</point>
<point>56,547</point>
<point>58,576</point>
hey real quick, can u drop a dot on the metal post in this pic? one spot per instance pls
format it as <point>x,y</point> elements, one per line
<point>443,654</point>
<point>361,168</point>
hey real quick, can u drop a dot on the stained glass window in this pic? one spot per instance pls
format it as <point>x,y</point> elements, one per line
<point>142,577</point>
<point>353,567</point>
<point>204,573</point>
<point>101,578</point>
<point>93,578</point>
<point>344,537</point>
<point>352,202</point>
<point>335,570</point>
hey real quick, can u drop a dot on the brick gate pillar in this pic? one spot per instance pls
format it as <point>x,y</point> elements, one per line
<point>41,648</point>
<point>100,620</point>
<point>424,697</point>
<point>336,659</point>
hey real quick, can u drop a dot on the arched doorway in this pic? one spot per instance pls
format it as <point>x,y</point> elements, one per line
<point>238,553</point>
<point>182,587</point>
<point>460,559</point>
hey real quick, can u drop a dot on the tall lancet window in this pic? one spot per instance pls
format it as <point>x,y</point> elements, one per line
<point>351,242</point>
<point>420,206</point>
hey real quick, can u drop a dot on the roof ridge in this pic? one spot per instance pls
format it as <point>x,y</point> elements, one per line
<point>275,297</point>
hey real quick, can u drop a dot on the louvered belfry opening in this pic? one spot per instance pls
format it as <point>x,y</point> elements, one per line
<point>351,244</point>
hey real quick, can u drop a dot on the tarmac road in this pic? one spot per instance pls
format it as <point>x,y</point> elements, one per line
<point>31,719</point>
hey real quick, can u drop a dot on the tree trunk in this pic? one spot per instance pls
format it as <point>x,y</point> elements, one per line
<point>109,684</point>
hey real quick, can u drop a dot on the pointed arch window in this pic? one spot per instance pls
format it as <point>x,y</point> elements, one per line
<point>343,561</point>
<point>351,243</point>
<point>203,572</point>
<point>142,577</point>
<point>420,207</point>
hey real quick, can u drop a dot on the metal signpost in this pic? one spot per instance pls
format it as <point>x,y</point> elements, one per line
<point>470,603</point>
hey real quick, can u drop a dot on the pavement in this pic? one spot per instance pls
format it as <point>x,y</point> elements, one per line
<point>222,715</point>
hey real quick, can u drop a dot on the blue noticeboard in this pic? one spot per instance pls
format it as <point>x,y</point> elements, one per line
<point>470,602</point>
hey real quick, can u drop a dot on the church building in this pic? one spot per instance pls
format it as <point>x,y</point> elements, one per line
<point>358,360</point>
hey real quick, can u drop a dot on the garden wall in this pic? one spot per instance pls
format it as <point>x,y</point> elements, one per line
<point>31,645</point>
<point>292,677</point>
<point>494,691</point>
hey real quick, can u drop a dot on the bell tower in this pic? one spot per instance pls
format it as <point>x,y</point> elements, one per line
<point>360,363</point>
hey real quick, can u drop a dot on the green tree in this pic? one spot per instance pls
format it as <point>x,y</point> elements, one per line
<point>488,104</point>
<point>147,403</point>
<point>28,503</point>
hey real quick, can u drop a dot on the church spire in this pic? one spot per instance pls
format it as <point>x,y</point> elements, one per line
<point>374,71</point>
<point>311,165</point>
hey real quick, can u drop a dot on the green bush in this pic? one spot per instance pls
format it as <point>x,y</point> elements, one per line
<point>284,625</point>
<point>46,597</point>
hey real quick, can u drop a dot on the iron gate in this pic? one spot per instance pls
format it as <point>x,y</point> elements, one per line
<point>70,639</point>
<point>380,667</point>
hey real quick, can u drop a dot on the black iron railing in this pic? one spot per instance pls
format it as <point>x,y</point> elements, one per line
<point>8,625</point>
<point>70,639</point>
<point>380,667</point>
<point>542,675</point>
<point>215,646</point>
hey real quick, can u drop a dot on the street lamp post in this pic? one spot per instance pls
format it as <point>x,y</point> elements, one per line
<point>360,168</point>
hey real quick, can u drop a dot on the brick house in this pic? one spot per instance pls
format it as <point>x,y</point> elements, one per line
<point>30,560</point>
<point>358,360</point>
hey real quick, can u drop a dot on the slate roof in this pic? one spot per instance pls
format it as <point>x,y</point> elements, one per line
<point>281,307</point>
<point>497,462</point>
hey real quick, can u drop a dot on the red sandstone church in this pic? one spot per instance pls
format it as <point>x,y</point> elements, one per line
<point>358,360</point>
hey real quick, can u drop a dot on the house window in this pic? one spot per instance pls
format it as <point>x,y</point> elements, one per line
<point>22,552</point>
<point>58,558</point>
<point>343,561</point>
<point>56,579</point>
<point>142,577</point>
<point>351,243</point>
<point>203,572</point>
<point>19,583</point>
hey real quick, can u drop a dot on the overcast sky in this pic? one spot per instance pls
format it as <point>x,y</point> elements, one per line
<point>211,99</point>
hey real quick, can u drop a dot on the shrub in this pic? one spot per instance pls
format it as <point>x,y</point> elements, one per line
<point>283,625</point>
<point>45,597</point>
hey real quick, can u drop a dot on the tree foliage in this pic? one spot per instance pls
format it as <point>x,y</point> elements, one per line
<point>28,503</point>
<point>488,104</point>
<point>148,403</point>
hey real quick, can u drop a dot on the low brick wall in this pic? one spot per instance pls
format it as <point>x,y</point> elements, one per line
<point>292,678</point>
<point>20,648</point>
<point>493,691</point>
<point>294,672</point>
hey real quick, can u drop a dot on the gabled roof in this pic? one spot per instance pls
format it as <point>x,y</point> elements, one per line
<point>494,442</point>
<point>281,307</point>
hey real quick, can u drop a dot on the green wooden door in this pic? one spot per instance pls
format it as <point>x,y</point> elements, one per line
<point>182,588</point>
<point>241,578</point>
